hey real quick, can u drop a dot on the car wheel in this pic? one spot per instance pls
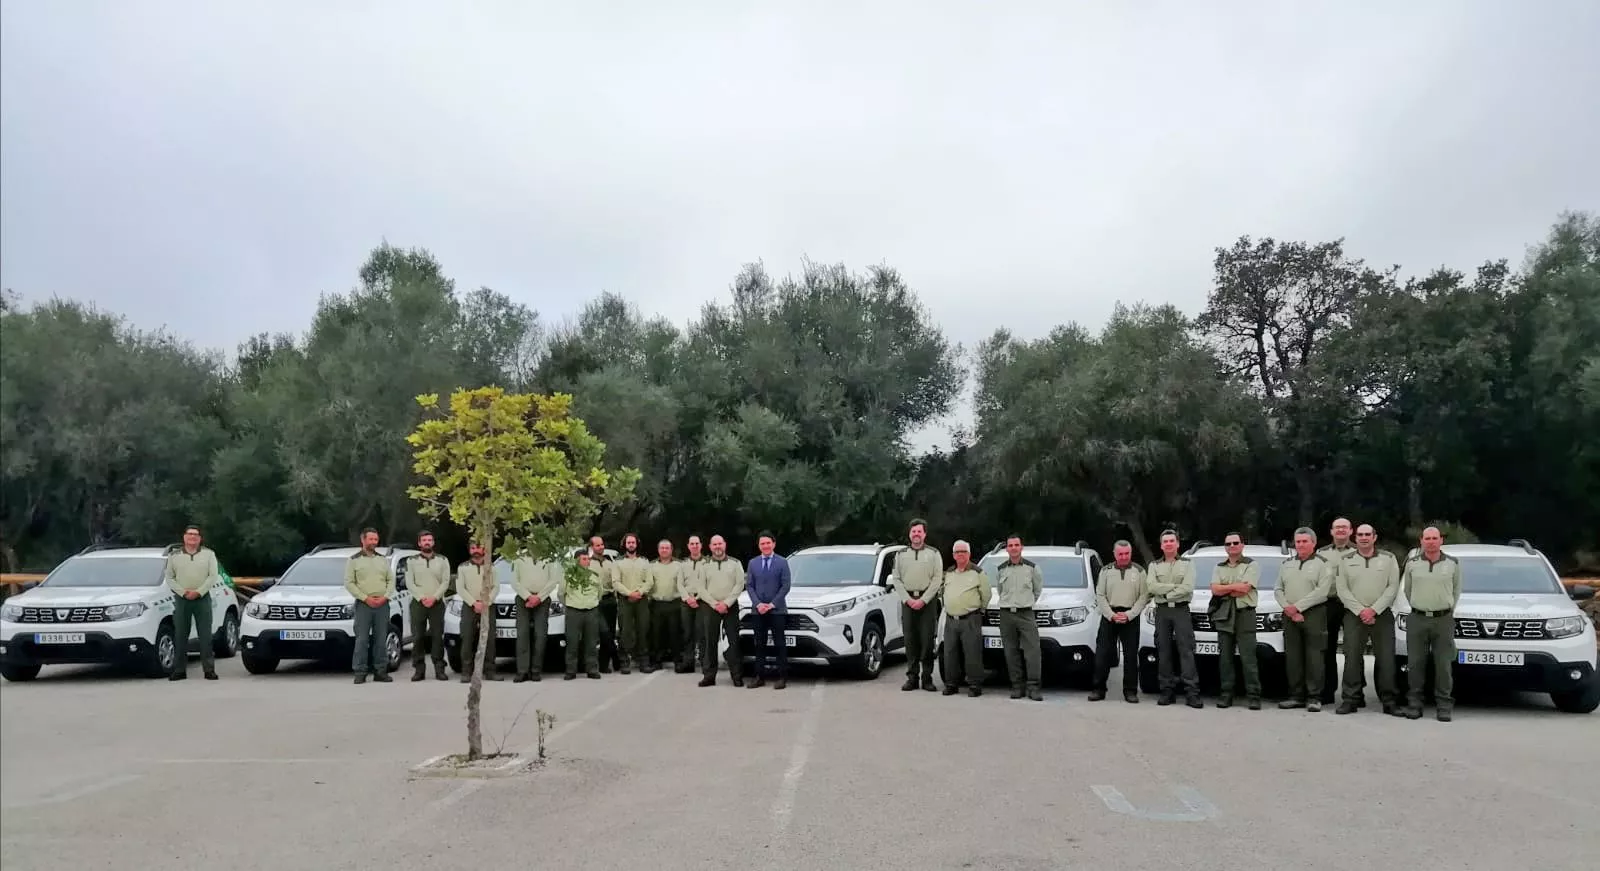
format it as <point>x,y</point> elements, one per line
<point>226,643</point>
<point>1149,679</point>
<point>1579,701</point>
<point>19,673</point>
<point>452,655</point>
<point>391,647</point>
<point>257,664</point>
<point>163,657</point>
<point>869,662</point>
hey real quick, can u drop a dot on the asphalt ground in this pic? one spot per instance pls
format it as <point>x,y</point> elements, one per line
<point>303,770</point>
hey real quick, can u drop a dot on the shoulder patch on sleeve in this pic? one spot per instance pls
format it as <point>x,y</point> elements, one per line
<point>1029,562</point>
<point>356,554</point>
<point>1244,560</point>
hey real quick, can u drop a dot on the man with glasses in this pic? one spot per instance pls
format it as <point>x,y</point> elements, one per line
<point>1367,582</point>
<point>1233,613</point>
<point>1304,581</point>
<point>1335,553</point>
<point>1171,586</point>
<point>1432,584</point>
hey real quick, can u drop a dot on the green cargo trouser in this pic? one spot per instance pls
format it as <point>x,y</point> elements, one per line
<point>198,611</point>
<point>633,628</point>
<point>1334,619</point>
<point>427,634</point>
<point>921,628</point>
<point>963,650</point>
<point>666,619</point>
<point>1240,637</point>
<point>583,640</point>
<point>1303,645</point>
<point>688,634</point>
<point>533,627</point>
<point>1175,640</point>
<point>1356,634</point>
<point>713,627</point>
<point>1431,638</point>
<point>372,637</point>
<point>469,640</point>
<point>1110,636</point>
<point>1019,636</point>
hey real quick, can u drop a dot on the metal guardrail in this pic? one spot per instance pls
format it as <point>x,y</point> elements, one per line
<point>14,583</point>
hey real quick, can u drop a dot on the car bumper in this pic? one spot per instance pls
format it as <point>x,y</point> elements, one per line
<point>1539,673</point>
<point>806,647</point>
<point>267,639</point>
<point>1061,648</point>
<point>21,648</point>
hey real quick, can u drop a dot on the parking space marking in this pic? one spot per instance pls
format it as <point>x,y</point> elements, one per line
<point>783,805</point>
<point>1200,808</point>
<point>80,792</point>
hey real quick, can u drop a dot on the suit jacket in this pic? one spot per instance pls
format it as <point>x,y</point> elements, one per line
<point>768,584</point>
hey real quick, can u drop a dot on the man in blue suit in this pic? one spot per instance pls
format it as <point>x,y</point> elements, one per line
<point>767,581</point>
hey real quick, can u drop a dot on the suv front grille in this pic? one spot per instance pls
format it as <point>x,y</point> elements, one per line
<point>95,614</point>
<point>305,612</point>
<point>1517,630</point>
<point>506,611</point>
<point>791,622</point>
<point>991,617</point>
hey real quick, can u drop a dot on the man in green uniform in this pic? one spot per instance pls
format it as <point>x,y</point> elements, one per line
<point>917,573</point>
<point>1020,584</point>
<point>1170,583</point>
<point>535,582</point>
<point>1304,582</point>
<point>1335,553</point>
<point>666,609</point>
<point>607,617</point>
<point>965,591</point>
<point>428,577</point>
<point>1120,594</point>
<point>1432,584</point>
<point>368,577</point>
<point>191,572</point>
<point>1367,582</point>
<point>630,579</point>
<point>719,584</point>
<point>689,592</point>
<point>1233,613</point>
<point>477,586</point>
<point>581,598</point>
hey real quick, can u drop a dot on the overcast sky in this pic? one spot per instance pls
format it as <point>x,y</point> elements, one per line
<point>212,170</point>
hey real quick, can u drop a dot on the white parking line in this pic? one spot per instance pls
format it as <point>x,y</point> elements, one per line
<point>783,805</point>
<point>80,792</point>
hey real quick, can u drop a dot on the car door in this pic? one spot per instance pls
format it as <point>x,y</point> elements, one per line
<point>402,598</point>
<point>892,629</point>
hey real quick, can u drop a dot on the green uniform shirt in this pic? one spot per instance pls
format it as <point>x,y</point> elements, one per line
<point>666,578</point>
<point>722,580</point>
<point>1368,581</point>
<point>1020,583</point>
<point>585,592</point>
<point>692,583</point>
<point>428,577</point>
<point>1245,571</point>
<point>470,582</point>
<point>1304,583</point>
<point>1170,582</point>
<point>535,578</point>
<point>1432,586</point>
<point>369,575</point>
<point>1120,588</point>
<point>631,574</point>
<point>964,590</point>
<point>1335,557</point>
<point>917,571</point>
<point>196,571</point>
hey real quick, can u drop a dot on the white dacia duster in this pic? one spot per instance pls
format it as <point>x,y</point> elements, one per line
<point>108,605</point>
<point>308,614</point>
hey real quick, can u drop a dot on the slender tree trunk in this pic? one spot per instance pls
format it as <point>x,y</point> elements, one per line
<point>1140,542</point>
<point>1414,500</point>
<point>487,591</point>
<point>1306,486</point>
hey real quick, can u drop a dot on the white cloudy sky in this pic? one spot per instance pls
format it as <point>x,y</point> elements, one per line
<point>212,167</point>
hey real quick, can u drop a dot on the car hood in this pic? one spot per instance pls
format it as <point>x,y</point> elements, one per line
<point>319,595</point>
<point>813,597</point>
<point>1508,606</point>
<point>44,597</point>
<point>1055,597</point>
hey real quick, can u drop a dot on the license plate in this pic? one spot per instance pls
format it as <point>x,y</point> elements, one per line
<point>302,634</point>
<point>504,632</point>
<point>1208,648</point>
<point>58,638</point>
<point>1488,657</point>
<point>992,642</point>
<point>789,640</point>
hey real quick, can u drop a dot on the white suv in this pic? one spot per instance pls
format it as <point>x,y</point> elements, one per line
<point>505,624</point>
<point>1269,621</point>
<point>107,605</point>
<point>1065,611</point>
<point>1516,628</point>
<point>841,610</point>
<point>308,614</point>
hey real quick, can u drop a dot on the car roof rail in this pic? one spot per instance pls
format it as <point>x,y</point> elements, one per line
<point>330,546</point>
<point>101,545</point>
<point>1196,545</point>
<point>1523,543</point>
<point>1079,546</point>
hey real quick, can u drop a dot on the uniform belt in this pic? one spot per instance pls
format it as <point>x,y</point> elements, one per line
<point>1118,609</point>
<point>1183,604</point>
<point>1431,613</point>
<point>571,608</point>
<point>1016,609</point>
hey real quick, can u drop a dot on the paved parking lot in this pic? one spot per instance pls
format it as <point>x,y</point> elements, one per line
<point>302,769</point>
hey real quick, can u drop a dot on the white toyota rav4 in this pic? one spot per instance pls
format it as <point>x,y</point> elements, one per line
<point>841,610</point>
<point>1063,612</point>
<point>107,605</point>
<point>1516,628</point>
<point>1269,621</point>
<point>505,624</point>
<point>308,614</point>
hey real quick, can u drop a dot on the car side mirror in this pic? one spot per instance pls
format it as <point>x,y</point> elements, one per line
<point>265,583</point>
<point>399,582</point>
<point>1581,592</point>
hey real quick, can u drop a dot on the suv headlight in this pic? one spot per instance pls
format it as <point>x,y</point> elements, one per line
<point>255,609</point>
<point>1400,622</point>
<point>1150,615</point>
<point>11,613</point>
<point>349,611</point>
<point>836,608</point>
<point>1564,627</point>
<point>1269,622</point>
<point>1068,616</point>
<point>124,612</point>
<point>454,607</point>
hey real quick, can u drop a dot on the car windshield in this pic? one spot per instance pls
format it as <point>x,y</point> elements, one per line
<point>108,571</point>
<point>1205,566</point>
<point>319,571</point>
<point>831,569</point>
<point>502,572</point>
<point>1058,571</point>
<point>1506,574</point>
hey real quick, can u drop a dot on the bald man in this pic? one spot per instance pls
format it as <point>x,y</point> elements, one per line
<point>1335,553</point>
<point>1432,586</point>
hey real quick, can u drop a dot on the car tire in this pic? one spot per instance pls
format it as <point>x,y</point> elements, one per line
<point>1579,701</point>
<point>257,664</point>
<point>225,644</point>
<point>868,664</point>
<point>1149,679</point>
<point>393,647</point>
<point>162,659</point>
<point>452,656</point>
<point>19,673</point>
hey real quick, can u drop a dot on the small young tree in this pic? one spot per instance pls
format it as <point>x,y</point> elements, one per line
<point>518,467</point>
